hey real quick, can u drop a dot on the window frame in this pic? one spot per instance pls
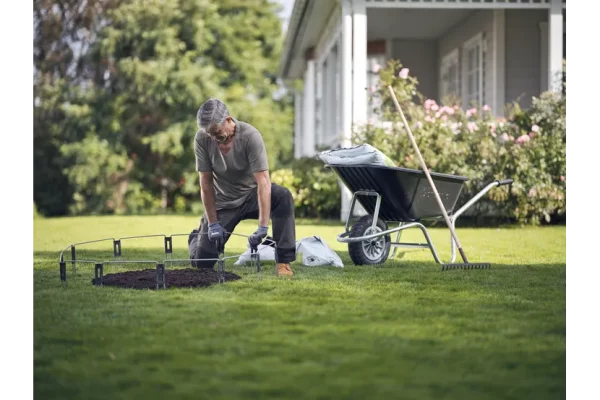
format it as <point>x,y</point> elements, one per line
<point>448,60</point>
<point>469,45</point>
<point>373,80</point>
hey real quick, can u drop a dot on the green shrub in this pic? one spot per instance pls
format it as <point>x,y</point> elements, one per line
<point>196,208</point>
<point>180,204</point>
<point>528,147</point>
<point>140,201</point>
<point>315,189</point>
<point>538,163</point>
<point>36,213</point>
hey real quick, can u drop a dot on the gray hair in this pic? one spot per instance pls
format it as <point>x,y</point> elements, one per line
<point>213,111</point>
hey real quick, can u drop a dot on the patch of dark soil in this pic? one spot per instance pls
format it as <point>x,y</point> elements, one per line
<point>146,279</point>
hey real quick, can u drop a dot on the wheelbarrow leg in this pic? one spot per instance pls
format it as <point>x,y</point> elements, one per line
<point>395,248</point>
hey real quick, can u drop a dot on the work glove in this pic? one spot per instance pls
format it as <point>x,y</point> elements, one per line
<point>257,237</point>
<point>216,232</point>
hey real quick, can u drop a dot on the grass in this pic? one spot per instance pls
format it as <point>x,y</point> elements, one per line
<point>401,330</point>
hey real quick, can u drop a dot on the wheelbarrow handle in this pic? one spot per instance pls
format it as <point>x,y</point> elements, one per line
<point>504,182</point>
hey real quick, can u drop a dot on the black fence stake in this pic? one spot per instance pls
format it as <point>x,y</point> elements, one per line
<point>99,273</point>
<point>160,276</point>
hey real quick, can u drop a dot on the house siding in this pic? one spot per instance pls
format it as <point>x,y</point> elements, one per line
<point>420,57</point>
<point>477,22</point>
<point>523,54</point>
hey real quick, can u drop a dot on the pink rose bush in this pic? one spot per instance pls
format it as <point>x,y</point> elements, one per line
<point>526,146</point>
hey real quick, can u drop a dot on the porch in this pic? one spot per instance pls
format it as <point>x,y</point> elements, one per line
<point>483,51</point>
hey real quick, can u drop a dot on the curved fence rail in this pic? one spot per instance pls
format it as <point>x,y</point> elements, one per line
<point>117,251</point>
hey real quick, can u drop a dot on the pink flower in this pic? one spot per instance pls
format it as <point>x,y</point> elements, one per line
<point>435,107</point>
<point>522,139</point>
<point>376,68</point>
<point>486,108</point>
<point>456,127</point>
<point>428,103</point>
<point>535,128</point>
<point>438,114</point>
<point>471,111</point>
<point>504,137</point>
<point>562,178</point>
<point>444,118</point>
<point>403,73</point>
<point>447,110</point>
<point>372,89</point>
<point>472,127</point>
<point>419,124</point>
<point>531,134</point>
<point>428,118</point>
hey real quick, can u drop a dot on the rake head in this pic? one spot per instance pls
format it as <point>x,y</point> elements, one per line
<point>446,267</point>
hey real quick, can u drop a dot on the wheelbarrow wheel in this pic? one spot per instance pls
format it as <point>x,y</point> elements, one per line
<point>369,252</point>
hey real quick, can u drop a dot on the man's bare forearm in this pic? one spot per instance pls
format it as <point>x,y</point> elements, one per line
<point>264,199</point>
<point>207,192</point>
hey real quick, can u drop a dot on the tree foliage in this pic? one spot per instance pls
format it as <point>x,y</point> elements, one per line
<point>117,87</point>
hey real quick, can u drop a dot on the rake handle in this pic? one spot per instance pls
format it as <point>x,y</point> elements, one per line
<point>424,167</point>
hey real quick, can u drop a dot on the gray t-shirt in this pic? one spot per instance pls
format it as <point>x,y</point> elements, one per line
<point>233,173</point>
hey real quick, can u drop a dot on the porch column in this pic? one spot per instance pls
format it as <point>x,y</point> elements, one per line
<point>346,93</point>
<point>319,67</point>
<point>298,124</point>
<point>331,129</point>
<point>359,63</point>
<point>346,72</point>
<point>359,75</point>
<point>555,45</point>
<point>325,101</point>
<point>308,122</point>
<point>499,63</point>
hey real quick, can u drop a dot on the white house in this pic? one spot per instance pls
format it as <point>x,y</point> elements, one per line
<point>485,51</point>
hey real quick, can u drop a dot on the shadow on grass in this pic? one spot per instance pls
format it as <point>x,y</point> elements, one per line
<point>45,257</point>
<point>421,274</point>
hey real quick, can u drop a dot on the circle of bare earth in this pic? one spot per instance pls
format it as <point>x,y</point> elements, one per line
<point>179,278</point>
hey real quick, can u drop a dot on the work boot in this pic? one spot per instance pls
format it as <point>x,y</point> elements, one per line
<point>284,270</point>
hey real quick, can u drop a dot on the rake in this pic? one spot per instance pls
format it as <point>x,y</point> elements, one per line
<point>466,264</point>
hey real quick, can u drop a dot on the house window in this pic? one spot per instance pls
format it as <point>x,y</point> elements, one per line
<point>473,72</point>
<point>449,75</point>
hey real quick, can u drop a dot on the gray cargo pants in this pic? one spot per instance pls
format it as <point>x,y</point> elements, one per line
<point>283,225</point>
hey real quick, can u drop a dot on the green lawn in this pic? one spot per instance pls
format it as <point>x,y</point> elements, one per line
<point>402,330</point>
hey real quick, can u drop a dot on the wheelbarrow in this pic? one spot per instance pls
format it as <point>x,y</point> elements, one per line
<point>399,195</point>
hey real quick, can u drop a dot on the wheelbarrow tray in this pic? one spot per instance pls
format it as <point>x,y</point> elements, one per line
<point>406,195</point>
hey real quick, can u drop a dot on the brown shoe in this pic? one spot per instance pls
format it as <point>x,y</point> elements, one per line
<point>284,270</point>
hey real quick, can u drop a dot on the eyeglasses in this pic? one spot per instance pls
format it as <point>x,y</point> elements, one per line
<point>217,135</point>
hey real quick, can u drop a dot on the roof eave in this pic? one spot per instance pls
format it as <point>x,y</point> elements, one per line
<point>297,18</point>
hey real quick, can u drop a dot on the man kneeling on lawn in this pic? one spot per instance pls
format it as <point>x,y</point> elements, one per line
<point>235,185</point>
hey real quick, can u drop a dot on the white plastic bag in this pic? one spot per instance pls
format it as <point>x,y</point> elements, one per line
<point>266,253</point>
<point>363,154</point>
<point>315,252</point>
